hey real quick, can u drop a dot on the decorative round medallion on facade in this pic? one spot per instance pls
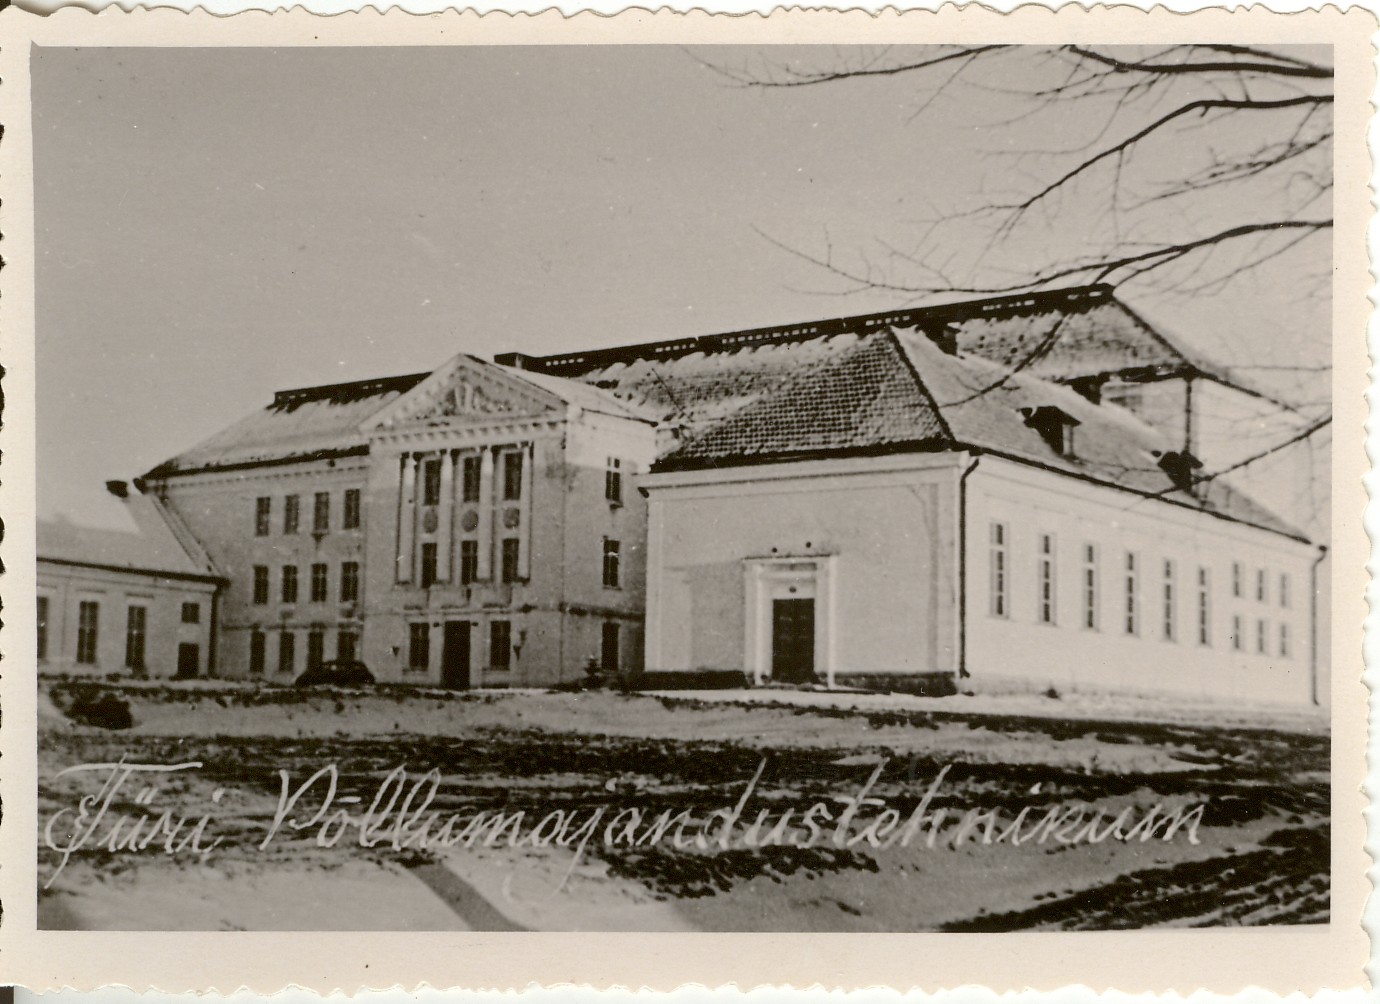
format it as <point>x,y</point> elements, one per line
<point>429,521</point>
<point>511,517</point>
<point>469,521</point>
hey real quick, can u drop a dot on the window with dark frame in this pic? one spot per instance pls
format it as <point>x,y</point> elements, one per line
<point>418,647</point>
<point>258,648</point>
<point>1236,574</point>
<point>469,562</point>
<point>1260,632</point>
<point>1090,586</point>
<point>428,570</point>
<point>512,477</point>
<point>349,517</point>
<point>136,630</point>
<point>1132,590</point>
<point>500,645</point>
<point>612,572</point>
<point>1284,641</point>
<point>260,584</point>
<point>998,562</point>
<point>88,627</point>
<point>1046,579</point>
<point>347,645</point>
<point>511,548</point>
<point>191,613</point>
<point>289,590</point>
<point>1204,607</point>
<point>431,482</point>
<point>287,652</point>
<point>321,513</point>
<point>613,480</point>
<point>319,590</point>
<point>42,640</point>
<point>469,479</point>
<point>1260,580</point>
<point>316,648</point>
<point>349,581</point>
<point>1284,590</point>
<point>292,514</point>
<point>608,647</point>
<point>1170,628</point>
<point>1238,639</point>
<point>263,514</point>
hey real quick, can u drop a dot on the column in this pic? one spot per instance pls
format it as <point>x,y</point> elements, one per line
<point>485,533</point>
<point>445,516</point>
<point>407,516</point>
<point>525,508</point>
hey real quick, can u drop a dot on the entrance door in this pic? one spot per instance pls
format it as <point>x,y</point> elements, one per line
<point>455,656</point>
<point>793,641</point>
<point>188,659</point>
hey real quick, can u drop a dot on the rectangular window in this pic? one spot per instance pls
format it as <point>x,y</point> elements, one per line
<point>469,561</point>
<point>611,569</point>
<point>1132,595</point>
<point>512,476</point>
<point>1170,626</point>
<point>292,514</point>
<point>88,625</point>
<point>349,520</point>
<point>613,480</point>
<point>469,480</point>
<point>608,647</point>
<point>1236,579</point>
<point>419,647</point>
<point>509,569</point>
<point>431,483</point>
<point>289,593</point>
<point>1284,590</point>
<point>1284,640</point>
<point>1260,585</point>
<point>1090,587</point>
<point>260,584</point>
<point>191,613</point>
<point>136,629</point>
<point>263,512</point>
<point>500,645</point>
<point>999,562</point>
<point>319,592</point>
<point>316,647</point>
<point>349,581</point>
<point>42,628</point>
<point>1204,607</point>
<point>321,513</point>
<point>258,645</point>
<point>428,564</point>
<point>1238,638</point>
<point>1260,632</point>
<point>347,645</point>
<point>1046,579</point>
<point>287,652</point>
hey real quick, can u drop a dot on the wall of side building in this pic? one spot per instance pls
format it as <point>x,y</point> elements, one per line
<point>222,510</point>
<point>95,621</point>
<point>870,539</point>
<point>1082,587</point>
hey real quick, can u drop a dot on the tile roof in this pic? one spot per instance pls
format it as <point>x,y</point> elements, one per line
<point>899,390</point>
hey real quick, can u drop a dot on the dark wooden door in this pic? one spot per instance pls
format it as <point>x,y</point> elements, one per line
<point>188,659</point>
<point>793,641</point>
<point>455,656</point>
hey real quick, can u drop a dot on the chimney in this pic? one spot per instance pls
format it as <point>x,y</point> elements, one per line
<point>120,489</point>
<point>517,360</point>
<point>944,336</point>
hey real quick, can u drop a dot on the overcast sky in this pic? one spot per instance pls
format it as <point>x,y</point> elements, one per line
<point>216,224</point>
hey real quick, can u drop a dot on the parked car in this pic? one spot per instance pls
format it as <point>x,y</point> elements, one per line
<point>337,673</point>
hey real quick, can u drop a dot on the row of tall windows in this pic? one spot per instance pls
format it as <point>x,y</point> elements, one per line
<point>346,647</point>
<point>1164,583</point>
<point>508,566</point>
<point>500,646</point>
<point>1262,585</point>
<point>89,626</point>
<point>320,513</point>
<point>319,583</point>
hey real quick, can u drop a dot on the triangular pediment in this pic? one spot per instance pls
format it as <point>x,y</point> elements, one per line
<point>465,391</point>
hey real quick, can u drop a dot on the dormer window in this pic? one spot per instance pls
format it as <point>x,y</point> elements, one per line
<point>1180,465</point>
<point>1055,427</point>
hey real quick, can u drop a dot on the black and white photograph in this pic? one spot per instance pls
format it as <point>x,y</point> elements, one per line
<point>685,487</point>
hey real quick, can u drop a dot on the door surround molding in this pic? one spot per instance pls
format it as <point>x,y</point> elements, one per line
<point>788,577</point>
